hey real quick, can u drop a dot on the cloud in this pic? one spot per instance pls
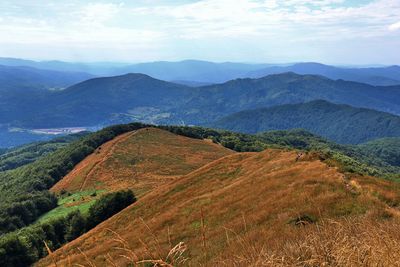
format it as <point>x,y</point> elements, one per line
<point>311,18</point>
<point>146,29</point>
<point>394,26</point>
<point>97,13</point>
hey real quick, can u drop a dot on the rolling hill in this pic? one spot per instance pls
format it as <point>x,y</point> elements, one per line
<point>100,101</point>
<point>140,160</point>
<point>224,212</point>
<point>340,123</point>
<point>287,88</point>
<point>138,97</point>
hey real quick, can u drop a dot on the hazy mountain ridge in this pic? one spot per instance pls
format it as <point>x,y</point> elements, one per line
<point>24,78</point>
<point>375,76</point>
<point>198,71</point>
<point>286,88</point>
<point>142,98</point>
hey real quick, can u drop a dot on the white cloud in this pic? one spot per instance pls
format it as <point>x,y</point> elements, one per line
<point>213,18</point>
<point>145,29</point>
<point>96,13</point>
<point>394,26</point>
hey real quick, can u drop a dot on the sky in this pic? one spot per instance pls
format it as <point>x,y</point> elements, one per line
<point>353,32</point>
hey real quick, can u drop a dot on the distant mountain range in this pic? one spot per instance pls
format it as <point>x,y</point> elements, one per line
<point>340,123</point>
<point>28,78</point>
<point>196,72</point>
<point>210,102</point>
<point>138,97</point>
<point>27,102</point>
<point>190,71</point>
<point>374,76</point>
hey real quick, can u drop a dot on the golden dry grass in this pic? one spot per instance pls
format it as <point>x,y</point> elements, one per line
<point>140,160</point>
<point>347,242</point>
<point>250,209</point>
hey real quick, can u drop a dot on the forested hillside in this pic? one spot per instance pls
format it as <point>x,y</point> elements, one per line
<point>339,123</point>
<point>138,97</point>
<point>24,194</point>
<point>25,154</point>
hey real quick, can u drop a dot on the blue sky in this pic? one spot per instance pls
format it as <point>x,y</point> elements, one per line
<point>271,31</point>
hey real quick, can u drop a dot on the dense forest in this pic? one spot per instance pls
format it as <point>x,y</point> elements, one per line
<point>24,247</point>
<point>340,123</point>
<point>15,157</point>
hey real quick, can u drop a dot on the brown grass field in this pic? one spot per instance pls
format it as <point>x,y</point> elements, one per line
<point>140,160</point>
<point>233,209</point>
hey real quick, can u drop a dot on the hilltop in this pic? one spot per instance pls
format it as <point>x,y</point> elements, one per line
<point>234,206</point>
<point>140,160</point>
<point>339,123</point>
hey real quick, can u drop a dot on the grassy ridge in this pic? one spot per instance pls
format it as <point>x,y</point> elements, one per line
<point>254,200</point>
<point>352,158</point>
<point>24,192</point>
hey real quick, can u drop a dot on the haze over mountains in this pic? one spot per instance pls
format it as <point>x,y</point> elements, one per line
<point>98,100</point>
<point>27,78</point>
<point>28,101</point>
<point>210,72</point>
<point>371,75</point>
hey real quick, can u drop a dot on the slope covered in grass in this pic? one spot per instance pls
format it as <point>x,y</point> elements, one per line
<point>140,160</point>
<point>241,201</point>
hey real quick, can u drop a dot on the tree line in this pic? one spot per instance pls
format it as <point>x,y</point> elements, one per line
<point>24,194</point>
<point>26,246</point>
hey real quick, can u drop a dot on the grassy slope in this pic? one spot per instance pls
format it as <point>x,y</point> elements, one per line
<point>81,201</point>
<point>140,160</point>
<point>242,196</point>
